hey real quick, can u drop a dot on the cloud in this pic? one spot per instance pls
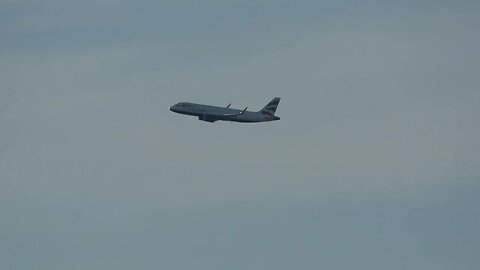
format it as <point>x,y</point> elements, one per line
<point>366,108</point>
<point>373,165</point>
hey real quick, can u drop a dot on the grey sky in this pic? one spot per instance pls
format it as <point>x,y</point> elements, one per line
<point>374,165</point>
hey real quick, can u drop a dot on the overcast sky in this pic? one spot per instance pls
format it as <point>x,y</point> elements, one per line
<point>375,163</point>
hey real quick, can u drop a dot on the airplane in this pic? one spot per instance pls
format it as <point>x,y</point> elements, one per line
<point>211,114</point>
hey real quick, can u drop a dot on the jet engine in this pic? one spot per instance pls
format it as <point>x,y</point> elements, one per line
<point>207,118</point>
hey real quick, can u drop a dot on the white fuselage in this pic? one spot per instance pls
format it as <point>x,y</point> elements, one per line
<point>213,113</point>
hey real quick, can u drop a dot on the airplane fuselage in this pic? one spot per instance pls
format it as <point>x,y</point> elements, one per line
<point>210,113</point>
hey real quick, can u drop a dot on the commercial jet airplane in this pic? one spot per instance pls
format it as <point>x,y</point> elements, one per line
<point>213,113</point>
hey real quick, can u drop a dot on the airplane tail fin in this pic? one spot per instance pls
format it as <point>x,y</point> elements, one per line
<point>271,107</point>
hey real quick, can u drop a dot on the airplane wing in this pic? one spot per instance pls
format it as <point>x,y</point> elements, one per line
<point>214,117</point>
<point>235,114</point>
